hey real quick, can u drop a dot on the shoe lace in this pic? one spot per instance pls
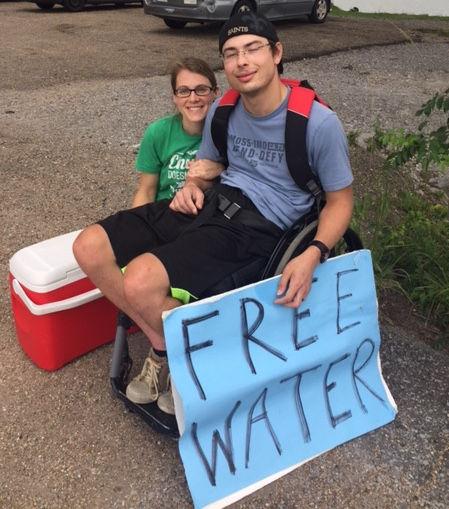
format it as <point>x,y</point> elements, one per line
<point>150,374</point>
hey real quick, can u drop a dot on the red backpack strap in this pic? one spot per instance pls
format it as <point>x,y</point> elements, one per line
<point>304,84</point>
<point>229,98</point>
<point>290,83</point>
<point>298,111</point>
<point>301,100</point>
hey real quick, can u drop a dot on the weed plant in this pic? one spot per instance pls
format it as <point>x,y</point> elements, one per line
<point>408,233</point>
<point>427,146</point>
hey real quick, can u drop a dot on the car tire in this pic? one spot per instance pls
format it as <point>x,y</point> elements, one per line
<point>244,3</point>
<point>175,23</point>
<point>320,11</point>
<point>74,5</point>
<point>45,6</point>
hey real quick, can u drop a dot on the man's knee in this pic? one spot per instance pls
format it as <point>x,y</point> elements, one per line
<point>92,247</point>
<point>146,281</point>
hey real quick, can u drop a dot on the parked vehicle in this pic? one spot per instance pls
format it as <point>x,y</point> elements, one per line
<point>78,5</point>
<point>177,13</point>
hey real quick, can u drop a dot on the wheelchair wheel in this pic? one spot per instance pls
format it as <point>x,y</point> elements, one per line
<point>297,245</point>
<point>294,240</point>
<point>349,242</point>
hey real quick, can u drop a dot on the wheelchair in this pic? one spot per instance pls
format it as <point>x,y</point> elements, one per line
<point>292,243</point>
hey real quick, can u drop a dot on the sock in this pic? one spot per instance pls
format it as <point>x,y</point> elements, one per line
<point>160,353</point>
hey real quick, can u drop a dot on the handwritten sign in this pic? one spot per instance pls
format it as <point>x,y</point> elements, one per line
<point>261,388</point>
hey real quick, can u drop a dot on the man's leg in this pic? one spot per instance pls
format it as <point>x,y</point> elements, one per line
<point>94,254</point>
<point>142,295</point>
<point>146,289</point>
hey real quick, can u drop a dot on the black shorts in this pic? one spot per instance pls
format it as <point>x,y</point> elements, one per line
<point>198,254</point>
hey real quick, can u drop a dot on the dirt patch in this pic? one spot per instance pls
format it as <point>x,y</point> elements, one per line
<point>103,42</point>
<point>65,28</point>
<point>396,309</point>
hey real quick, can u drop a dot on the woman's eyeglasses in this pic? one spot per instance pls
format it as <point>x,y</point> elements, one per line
<point>200,90</point>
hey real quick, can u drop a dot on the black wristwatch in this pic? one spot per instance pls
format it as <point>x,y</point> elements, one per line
<point>324,250</point>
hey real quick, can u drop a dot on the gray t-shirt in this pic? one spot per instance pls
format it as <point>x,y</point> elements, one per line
<point>257,164</point>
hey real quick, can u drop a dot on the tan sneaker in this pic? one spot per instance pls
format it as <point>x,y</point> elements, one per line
<point>165,401</point>
<point>152,381</point>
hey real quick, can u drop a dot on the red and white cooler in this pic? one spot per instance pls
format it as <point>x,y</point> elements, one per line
<point>59,314</point>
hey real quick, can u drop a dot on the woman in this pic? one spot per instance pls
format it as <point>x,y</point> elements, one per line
<point>170,143</point>
<point>168,146</point>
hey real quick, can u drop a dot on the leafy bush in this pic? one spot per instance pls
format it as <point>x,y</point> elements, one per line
<point>417,249</point>
<point>425,146</point>
<point>409,234</point>
<point>409,240</point>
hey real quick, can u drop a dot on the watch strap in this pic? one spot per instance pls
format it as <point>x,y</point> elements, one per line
<point>324,250</point>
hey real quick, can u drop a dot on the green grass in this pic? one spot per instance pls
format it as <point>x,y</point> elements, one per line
<point>410,233</point>
<point>382,15</point>
<point>409,240</point>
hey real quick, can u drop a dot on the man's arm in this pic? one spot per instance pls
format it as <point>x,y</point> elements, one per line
<point>190,199</point>
<point>333,221</point>
<point>205,169</point>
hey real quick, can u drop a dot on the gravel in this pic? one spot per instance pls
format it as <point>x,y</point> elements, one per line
<point>385,83</point>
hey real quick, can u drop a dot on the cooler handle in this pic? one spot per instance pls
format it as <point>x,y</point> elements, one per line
<point>53,307</point>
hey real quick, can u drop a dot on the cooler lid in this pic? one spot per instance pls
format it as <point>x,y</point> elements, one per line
<point>47,265</point>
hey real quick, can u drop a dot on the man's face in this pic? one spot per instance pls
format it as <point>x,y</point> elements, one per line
<point>249,62</point>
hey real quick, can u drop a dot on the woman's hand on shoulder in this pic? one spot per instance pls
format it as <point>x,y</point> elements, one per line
<point>204,169</point>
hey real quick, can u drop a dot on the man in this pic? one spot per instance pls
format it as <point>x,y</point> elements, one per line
<point>179,250</point>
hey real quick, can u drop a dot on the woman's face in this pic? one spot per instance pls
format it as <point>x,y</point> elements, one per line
<point>193,108</point>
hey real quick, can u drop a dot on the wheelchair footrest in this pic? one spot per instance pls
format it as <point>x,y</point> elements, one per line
<point>160,421</point>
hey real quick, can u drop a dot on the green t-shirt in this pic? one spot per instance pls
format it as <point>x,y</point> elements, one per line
<point>165,150</point>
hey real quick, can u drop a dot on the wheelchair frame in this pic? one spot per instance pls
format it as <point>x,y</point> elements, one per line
<point>292,243</point>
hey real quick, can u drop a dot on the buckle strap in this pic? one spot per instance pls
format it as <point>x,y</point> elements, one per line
<point>228,208</point>
<point>249,218</point>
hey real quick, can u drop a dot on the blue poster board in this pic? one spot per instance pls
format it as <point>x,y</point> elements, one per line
<point>261,388</point>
